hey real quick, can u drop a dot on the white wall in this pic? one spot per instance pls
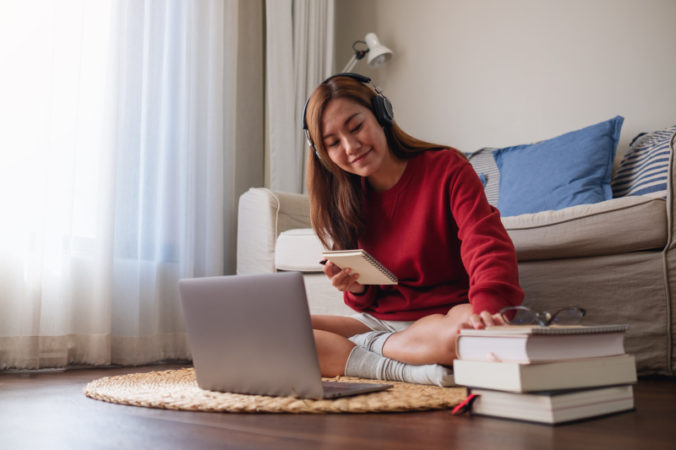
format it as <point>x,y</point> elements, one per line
<point>475,73</point>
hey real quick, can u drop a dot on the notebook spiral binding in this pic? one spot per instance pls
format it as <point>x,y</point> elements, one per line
<point>344,258</point>
<point>379,266</point>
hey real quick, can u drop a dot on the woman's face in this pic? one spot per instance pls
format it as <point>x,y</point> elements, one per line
<point>353,138</point>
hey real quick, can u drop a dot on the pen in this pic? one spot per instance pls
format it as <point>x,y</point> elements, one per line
<point>323,261</point>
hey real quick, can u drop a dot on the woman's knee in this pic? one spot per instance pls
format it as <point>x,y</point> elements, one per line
<point>453,321</point>
<point>450,340</point>
<point>441,334</point>
<point>459,313</point>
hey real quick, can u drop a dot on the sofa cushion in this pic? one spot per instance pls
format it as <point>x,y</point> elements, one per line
<point>614,226</point>
<point>298,249</point>
<point>484,165</point>
<point>568,170</point>
<point>645,167</point>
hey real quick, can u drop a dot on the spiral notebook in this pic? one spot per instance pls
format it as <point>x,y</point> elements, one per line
<point>370,270</point>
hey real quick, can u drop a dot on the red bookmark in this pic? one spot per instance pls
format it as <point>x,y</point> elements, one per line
<point>465,405</point>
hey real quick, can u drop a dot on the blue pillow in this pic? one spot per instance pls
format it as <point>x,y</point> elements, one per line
<point>568,170</point>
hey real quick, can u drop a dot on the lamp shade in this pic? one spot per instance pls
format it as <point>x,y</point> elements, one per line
<point>378,53</point>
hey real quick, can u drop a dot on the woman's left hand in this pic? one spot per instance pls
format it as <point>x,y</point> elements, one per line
<point>482,320</point>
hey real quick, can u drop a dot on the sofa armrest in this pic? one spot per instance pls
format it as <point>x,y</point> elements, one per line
<point>262,216</point>
<point>671,195</point>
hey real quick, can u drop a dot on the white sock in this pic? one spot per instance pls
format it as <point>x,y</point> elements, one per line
<point>366,364</point>
<point>372,340</point>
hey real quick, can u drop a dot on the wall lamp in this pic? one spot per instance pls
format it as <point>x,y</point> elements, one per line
<point>371,46</point>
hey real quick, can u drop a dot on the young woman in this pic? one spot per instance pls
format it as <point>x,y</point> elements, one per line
<point>418,208</point>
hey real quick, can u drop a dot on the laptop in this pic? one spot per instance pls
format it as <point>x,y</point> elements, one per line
<point>252,334</point>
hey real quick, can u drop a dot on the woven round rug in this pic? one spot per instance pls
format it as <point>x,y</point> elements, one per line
<point>178,390</point>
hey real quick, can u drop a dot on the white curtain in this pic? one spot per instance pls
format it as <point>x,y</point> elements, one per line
<point>116,149</point>
<point>300,54</point>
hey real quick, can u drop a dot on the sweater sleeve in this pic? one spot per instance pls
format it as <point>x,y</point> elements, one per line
<point>360,301</point>
<point>486,249</point>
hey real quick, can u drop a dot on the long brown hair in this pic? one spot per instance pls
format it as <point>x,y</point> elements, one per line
<point>336,196</point>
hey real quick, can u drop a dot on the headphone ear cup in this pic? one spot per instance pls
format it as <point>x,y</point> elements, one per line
<point>383,110</point>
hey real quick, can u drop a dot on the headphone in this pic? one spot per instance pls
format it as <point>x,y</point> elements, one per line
<point>382,108</point>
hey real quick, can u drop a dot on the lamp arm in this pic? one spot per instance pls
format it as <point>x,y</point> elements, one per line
<point>350,64</point>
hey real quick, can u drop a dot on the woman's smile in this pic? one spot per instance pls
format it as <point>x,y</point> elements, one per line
<point>362,156</point>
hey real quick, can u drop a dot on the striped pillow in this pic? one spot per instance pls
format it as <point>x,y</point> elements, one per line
<point>484,165</point>
<point>645,167</point>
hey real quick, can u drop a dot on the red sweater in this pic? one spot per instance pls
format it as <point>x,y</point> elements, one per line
<point>438,234</point>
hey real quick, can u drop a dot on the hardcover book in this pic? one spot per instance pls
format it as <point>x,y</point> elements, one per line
<point>571,374</point>
<point>555,406</point>
<point>528,344</point>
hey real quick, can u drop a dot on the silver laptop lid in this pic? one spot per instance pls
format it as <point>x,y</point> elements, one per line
<point>252,334</point>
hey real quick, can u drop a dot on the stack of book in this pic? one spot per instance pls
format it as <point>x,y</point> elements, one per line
<point>549,374</point>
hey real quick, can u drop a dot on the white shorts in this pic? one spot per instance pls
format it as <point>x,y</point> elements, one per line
<point>376,324</point>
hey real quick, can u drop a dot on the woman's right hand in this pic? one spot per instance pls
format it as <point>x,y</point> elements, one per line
<point>343,279</point>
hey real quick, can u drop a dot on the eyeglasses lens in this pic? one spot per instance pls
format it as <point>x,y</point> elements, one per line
<point>521,317</point>
<point>569,316</point>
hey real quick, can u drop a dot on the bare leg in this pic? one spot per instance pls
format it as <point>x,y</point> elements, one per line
<point>430,340</point>
<point>333,351</point>
<point>338,356</point>
<point>341,325</point>
<point>333,348</point>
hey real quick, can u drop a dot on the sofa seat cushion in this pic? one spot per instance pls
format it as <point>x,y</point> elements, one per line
<point>298,249</point>
<point>614,226</point>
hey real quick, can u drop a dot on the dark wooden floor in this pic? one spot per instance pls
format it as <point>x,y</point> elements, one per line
<point>48,410</point>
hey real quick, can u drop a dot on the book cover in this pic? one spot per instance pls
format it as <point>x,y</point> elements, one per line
<point>571,374</point>
<point>554,407</point>
<point>370,270</point>
<point>551,330</point>
<point>528,344</point>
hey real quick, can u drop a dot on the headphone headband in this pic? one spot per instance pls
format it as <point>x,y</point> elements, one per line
<point>355,76</point>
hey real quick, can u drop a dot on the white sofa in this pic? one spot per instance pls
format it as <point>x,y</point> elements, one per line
<point>616,259</point>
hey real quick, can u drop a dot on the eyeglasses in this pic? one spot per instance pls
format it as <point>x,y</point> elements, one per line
<point>522,315</point>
